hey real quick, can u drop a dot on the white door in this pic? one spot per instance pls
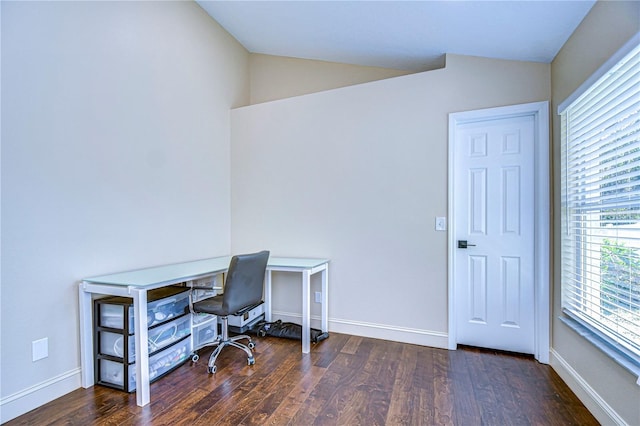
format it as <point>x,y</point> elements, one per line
<point>494,219</point>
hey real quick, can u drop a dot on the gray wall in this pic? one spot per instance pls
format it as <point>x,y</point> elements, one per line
<point>358,175</point>
<point>115,155</point>
<point>608,390</point>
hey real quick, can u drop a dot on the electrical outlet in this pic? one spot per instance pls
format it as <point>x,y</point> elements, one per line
<point>318,295</point>
<point>441,223</point>
<point>40,349</point>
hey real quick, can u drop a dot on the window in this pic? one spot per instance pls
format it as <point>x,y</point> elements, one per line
<point>601,205</point>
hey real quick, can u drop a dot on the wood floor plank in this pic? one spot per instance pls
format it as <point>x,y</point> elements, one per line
<point>368,403</point>
<point>324,353</point>
<point>499,370</point>
<point>464,401</point>
<point>352,345</point>
<point>303,383</point>
<point>323,399</point>
<point>402,403</point>
<point>345,380</point>
<point>443,390</point>
<point>422,387</point>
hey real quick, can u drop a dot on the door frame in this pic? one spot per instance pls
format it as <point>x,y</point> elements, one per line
<point>542,253</point>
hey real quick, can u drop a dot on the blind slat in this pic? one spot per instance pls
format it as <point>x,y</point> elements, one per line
<point>624,70</point>
<point>619,106</point>
<point>606,147</point>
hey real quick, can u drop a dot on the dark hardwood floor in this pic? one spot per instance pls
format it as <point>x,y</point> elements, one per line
<point>345,380</point>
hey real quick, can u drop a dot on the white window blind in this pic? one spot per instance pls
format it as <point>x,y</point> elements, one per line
<point>600,175</point>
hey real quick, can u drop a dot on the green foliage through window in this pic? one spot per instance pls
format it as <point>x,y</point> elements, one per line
<point>620,267</point>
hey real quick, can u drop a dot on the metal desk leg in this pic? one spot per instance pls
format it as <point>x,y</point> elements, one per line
<point>86,336</point>
<point>325,299</point>
<point>306,311</point>
<point>142,349</point>
<point>267,296</point>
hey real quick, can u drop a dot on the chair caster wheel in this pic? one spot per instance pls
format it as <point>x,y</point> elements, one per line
<point>251,345</point>
<point>251,361</point>
<point>195,358</point>
<point>212,370</point>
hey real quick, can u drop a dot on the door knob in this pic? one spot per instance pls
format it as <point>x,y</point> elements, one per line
<point>464,244</point>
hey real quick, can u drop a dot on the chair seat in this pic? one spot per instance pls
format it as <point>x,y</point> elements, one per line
<point>211,305</point>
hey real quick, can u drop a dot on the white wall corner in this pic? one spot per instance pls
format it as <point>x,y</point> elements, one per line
<point>600,409</point>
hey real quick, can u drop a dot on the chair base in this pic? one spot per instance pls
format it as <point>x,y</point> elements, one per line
<point>224,341</point>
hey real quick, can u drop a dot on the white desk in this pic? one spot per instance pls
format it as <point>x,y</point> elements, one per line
<point>307,267</point>
<point>135,284</point>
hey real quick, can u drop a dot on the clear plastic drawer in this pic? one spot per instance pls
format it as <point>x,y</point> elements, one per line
<point>205,332</point>
<point>163,305</point>
<point>203,293</point>
<point>113,372</point>
<point>201,317</point>
<point>158,337</point>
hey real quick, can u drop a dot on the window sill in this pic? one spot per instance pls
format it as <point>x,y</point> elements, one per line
<point>609,348</point>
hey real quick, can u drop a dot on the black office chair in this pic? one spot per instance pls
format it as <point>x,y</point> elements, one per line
<point>243,288</point>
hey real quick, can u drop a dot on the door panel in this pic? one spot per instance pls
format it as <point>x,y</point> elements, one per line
<point>494,192</point>
<point>478,289</point>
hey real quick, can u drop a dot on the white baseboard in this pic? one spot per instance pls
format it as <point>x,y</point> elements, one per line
<point>33,397</point>
<point>414,336</point>
<point>602,411</point>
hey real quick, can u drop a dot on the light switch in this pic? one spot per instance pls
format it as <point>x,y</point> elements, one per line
<point>441,223</point>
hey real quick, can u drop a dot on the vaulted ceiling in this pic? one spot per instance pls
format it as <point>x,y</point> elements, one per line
<point>406,35</point>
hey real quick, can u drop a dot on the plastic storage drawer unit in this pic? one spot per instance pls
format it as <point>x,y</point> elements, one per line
<point>168,336</point>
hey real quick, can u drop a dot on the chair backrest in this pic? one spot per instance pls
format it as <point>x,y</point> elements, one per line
<point>245,281</point>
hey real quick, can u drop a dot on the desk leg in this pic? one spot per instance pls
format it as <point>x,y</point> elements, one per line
<point>267,296</point>
<point>86,336</point>
<point>306,311</point>
<point>325,299</point>
<point>141,345</point>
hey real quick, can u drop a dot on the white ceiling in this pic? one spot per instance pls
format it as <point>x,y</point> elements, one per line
<point>406,35</point>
